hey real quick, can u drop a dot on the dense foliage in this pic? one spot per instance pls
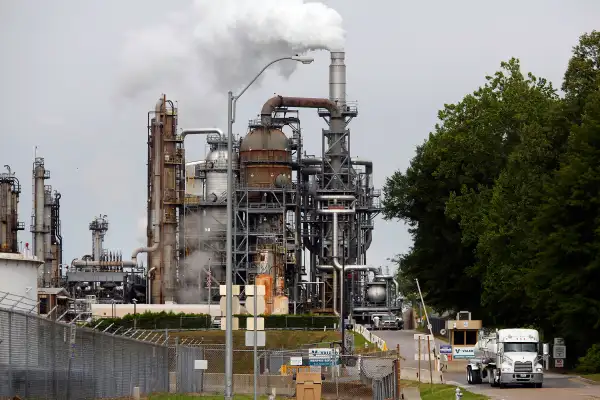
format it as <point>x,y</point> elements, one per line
<point>502,201</point>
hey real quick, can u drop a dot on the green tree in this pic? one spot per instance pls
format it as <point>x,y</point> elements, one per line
<point>564,283</point>
<point>457,167</point>
<point>583,73</point>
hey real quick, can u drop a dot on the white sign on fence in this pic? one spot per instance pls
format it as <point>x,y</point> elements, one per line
<point>297,361</point>
<point>260,338</point>
<point>201,364</point>
<point>463,352</point>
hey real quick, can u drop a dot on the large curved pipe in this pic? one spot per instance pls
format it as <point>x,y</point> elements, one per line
<point>299,102</point>
<point>148,286</point>
<point>200,131</point>
<point>150,249</point>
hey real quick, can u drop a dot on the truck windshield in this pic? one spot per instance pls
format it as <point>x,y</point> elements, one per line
<point>520,347</point>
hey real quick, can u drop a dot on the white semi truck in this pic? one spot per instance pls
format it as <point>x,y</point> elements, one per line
<point>506,357</point>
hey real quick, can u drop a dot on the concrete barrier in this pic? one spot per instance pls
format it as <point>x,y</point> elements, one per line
<point>369,336</point>
<point>244,384</point>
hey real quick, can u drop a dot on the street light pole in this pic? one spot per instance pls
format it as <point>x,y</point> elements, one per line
<point>231,102</point>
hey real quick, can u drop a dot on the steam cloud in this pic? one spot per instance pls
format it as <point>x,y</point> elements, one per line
<point>197,55</point>
<point>219,45</point>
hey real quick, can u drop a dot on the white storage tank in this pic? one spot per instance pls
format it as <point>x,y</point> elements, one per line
<point>19,274</point>
<point>19,278</point>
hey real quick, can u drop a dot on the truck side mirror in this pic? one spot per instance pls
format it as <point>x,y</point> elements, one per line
<point>546,349</point>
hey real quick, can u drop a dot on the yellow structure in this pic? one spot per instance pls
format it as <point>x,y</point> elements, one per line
<point>308,386</point>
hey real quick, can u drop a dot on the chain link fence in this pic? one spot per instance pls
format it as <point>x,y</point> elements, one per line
<point>44,359</point>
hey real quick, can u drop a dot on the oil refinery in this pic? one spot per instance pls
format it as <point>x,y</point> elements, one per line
<point>302,224</point>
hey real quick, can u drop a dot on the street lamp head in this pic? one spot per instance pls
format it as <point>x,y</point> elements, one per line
<point>303,59</point>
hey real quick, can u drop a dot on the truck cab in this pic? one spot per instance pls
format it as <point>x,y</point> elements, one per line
<point>507,357</point>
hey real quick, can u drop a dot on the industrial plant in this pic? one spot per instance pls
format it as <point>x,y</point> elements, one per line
<point>302,224</point>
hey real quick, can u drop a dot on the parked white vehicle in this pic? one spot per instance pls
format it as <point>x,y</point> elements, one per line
<point>507,356</point>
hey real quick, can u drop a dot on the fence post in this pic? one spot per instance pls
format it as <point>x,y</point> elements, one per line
<point>398,374</point>
<point>419,370</point>
<point>27,345</point>
<point>11,390</point>
<point>429,357</point>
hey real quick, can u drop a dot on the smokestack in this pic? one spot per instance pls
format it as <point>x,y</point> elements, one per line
<point>337,78</point>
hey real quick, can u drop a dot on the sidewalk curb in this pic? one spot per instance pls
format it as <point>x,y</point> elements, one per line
<point>586,380</point>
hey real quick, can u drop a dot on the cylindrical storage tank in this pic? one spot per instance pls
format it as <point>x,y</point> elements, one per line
<point>20,277</point>
<point>267,281</point>
<point>19,329</point>
<point>265,154</point>
<point>376,292</point>
<point>216,172</point>
<point>281,305</point>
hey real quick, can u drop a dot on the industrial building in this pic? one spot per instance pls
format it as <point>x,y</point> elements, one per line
<point>287,207</point>
<point>302,224</point>
<point>104,277</point>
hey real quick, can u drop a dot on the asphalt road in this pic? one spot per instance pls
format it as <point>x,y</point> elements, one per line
<point>556,386</point>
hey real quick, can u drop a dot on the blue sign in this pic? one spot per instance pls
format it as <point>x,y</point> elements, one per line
<point>445,349</point>
<point>323,357</point>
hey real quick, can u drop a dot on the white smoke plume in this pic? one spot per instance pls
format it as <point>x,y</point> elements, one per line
<point>195,268</point>
<point>217,46</point>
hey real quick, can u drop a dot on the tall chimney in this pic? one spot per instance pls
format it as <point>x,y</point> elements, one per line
<point>337,77</point>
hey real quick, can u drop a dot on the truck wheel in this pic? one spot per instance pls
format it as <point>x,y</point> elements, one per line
<point>469,376</point>
<point>476,377</point>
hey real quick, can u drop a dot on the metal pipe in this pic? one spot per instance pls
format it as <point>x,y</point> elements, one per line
<point>350,268</point>
<point>148,286</point>
<point>150,249</point>
<point>371,309</point>
<point>299,102</point>
<point>97,263</point>
<point>229,250</point>
<point>200,131</point>
<point>312,161</point>
<point>311,170</point>
<point>348,197</point>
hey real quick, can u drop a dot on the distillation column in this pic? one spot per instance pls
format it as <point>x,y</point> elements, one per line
<point>10,188</point>
<point>49,259</point>
<point>56,238</point>
<point>166,200</point>
<point>99,227</point>
<point>38,226</point>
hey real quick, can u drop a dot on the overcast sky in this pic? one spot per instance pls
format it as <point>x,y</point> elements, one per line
<point>60,63</point>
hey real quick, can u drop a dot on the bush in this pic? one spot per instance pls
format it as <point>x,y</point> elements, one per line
<point>590,363</point>
<point>293,321</point>
<point>164,320</point>
<point>161,320</point>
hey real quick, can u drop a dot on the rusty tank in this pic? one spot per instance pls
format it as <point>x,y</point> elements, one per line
<point>265,158</point>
